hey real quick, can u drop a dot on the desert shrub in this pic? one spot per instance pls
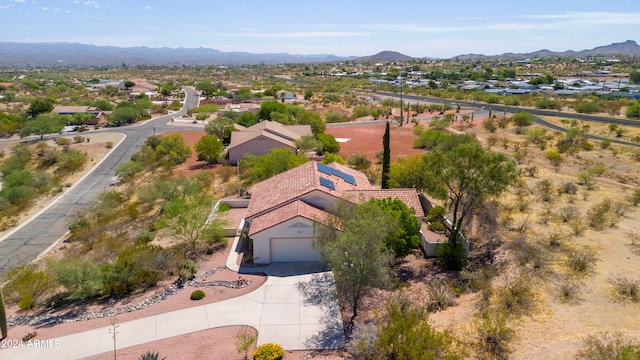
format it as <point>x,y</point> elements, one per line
<point>79,139</point>
<point>608,347</point>
<point>268,351</point>
<point>602,215</point>
<point>363,339</point>
<point>588,107</point>
<point>197,295</point>
<point>440,295</point>
<point>128,170</point>
<point>626,288</point>
<point>109,144</point>
<point>187,269</point>
<point>587,178</point>
<point>71,161</point>
<point>26,285</point>
<point>554,157</point>
<point>359,161</point>
<point>493,335</point>
<point>568,291</point>
<point>634,197</point>
<point>335,117</point>
<point>568,187</point>
<point>517,298</point>
<point>568,213</point>
<point>62,141</point>
<point>530,256</point>
<point>580,261</point>
<point>82,279</point>
<point>479,279</point>
<point>137,266</point>
<point>145,236</point>
<point>545,189</point>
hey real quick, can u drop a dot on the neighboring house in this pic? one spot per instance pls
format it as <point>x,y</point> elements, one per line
<point>260,138</point>
<point>284,209</point>
<point>97,116</point>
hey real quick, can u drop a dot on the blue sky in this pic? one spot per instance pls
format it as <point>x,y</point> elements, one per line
<point>417,28</point>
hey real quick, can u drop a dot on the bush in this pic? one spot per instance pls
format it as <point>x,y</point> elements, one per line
<point>109,144</point>
<point>145,236</point>
<point>62,141</point>
<point>197,295</point>
<point>494,335</point>
<point>580,261</point>
<point>608,347</point>
<point>626,288</point>
<point>588,107</point>
<point>268,351</point>
<point>518,298</point>
<point>359,161</point>
<point>440,295</point>
<point>79,139</point>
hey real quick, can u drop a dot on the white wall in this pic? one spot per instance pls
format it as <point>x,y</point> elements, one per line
<point>288,229</point>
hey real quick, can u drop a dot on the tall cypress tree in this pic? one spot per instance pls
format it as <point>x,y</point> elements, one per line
<point>386,158</point>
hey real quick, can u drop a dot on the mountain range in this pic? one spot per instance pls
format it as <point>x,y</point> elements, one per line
<point>74,54</point>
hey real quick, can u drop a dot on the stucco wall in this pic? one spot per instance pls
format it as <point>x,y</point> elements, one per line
<point>258,146</point>
<point>287,229</point>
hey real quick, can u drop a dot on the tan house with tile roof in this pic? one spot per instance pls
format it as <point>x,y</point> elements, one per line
<point>260,138</point>
<point>283,209</point>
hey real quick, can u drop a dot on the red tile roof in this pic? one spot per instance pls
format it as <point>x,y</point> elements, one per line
<point>277,199</point>
<point>407,196</point>
<point>287,212</point>
<point>294,183</point>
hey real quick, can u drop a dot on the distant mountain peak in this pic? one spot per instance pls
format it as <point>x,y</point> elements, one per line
<point>629,47</point>
<point>385,56</point>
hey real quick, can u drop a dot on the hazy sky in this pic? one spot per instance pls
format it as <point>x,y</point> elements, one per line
<point>417,28</point>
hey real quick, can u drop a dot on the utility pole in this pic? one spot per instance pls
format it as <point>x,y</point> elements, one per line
<point>401,115</point>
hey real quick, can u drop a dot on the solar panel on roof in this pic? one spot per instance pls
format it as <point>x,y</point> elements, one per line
<point>348,178</point>
<point>331,171</point>
<point>327,183</point>
<point>325,169</point>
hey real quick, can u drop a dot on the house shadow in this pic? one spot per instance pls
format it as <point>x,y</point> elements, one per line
<point>284,269</point>
<point>320,291</point>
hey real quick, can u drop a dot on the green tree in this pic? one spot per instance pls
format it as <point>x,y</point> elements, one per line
<point>269,107</point>
<point>208,148</point>
<point>633,111</point>
<point>409,172</point>
<point>129,84</point>
<point>329,143</point>
<point>243,94</point>
<point>386,157</point>
<point>522,119</point>
<point>222,127</point>
<point>44,124</point>
<point>258,168</point>
<point>405,333</point>
<point>189,223</point>
<point>357,254</point>
<point>466,176</point>
<point>407,237</point>
<point>172,149</point>
<point>317,123</point>
<point>634,76</point>
<point>206,88</point>
<point>123,115</point>
<point>38,106</point>
<point>308,94</point>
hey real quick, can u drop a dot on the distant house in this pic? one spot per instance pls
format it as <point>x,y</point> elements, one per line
<point>260,138</point>
<point>284,209</point>
<point>98,116</point>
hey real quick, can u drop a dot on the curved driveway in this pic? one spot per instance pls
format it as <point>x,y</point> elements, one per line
<point>31,239</point>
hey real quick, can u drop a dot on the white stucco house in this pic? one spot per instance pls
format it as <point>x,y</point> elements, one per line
<point>283,209</point>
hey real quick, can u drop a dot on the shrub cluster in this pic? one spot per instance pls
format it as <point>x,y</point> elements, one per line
<point>268,351</point>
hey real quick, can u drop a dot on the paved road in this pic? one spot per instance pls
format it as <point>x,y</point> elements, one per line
<point>497,109</point>
<point>24,244</point>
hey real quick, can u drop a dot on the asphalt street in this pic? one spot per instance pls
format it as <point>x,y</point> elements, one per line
<point>27,242</point>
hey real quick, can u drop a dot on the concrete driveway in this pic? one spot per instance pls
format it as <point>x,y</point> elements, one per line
<point>296,308</point>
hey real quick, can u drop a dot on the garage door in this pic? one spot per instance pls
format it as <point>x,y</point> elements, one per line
<point>293,250</point>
